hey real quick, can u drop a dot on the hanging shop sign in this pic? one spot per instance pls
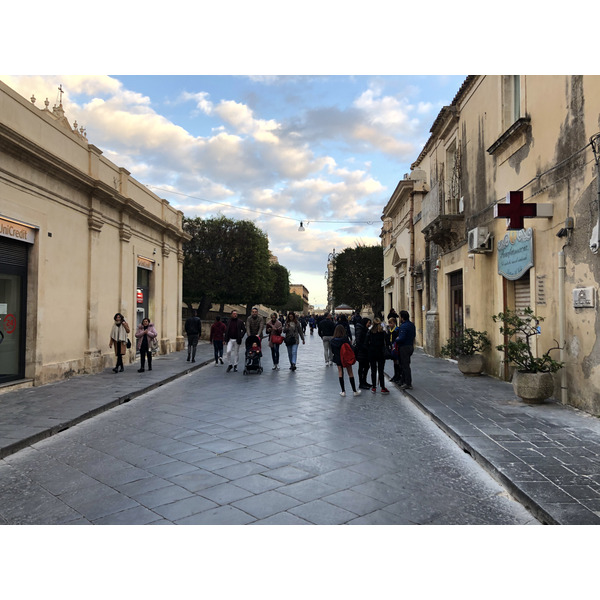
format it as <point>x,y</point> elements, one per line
<point>515,254</point>
<point>17,231</point>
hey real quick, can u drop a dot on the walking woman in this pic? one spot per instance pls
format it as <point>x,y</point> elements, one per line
<point>217,331</point>
<point>144,334</point>
<point>392,335</point>
<point>361,329</point>
<point>118,339</point>
<point>293,332</point>
<point>339,339</point>
<point>376,348</point>
<point>274,328</point>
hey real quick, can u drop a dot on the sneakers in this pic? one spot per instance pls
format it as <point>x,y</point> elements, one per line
<point>364,386</point>
<point>384,390</point>
<point>405,386</point>
<point>235,369</point>
<point>374,390</point>
<point>343,394</point>
<point>229,368</point>
<point>358,392</point>
<point>220,360</point>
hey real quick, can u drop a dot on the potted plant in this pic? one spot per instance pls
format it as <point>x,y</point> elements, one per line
<point>532,380</point>
<point>465,345</point>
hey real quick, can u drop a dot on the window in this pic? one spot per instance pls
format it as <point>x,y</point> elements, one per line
<point>511,99</point>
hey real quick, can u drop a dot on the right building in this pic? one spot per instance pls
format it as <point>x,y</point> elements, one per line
<point>501,211</point>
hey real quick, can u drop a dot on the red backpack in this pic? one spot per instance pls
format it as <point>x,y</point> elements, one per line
<point>347,357</point>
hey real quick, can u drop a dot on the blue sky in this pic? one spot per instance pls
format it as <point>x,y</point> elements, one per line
<point>324,150</point>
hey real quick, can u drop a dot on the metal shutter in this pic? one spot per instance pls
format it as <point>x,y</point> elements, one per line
<point>13,253</point>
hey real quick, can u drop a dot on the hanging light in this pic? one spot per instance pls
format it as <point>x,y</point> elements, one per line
<point>301,228</point>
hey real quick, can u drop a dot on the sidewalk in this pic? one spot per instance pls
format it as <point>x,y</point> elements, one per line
<point>547,456</point>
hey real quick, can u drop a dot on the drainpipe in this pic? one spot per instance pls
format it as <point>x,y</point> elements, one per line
<point>561,323</point>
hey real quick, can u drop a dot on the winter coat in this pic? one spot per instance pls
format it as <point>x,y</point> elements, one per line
<point>326,328</point>
<point>237,327</point>
<point>406,334</point>
<point>376,344</point>
<point>275,328</point>
<point>118,338</point>
<point>217,331</point>
<point>255,325</point>
<point>150,333</point>
<point>336,345</point>
<point>360,342</point>
<point>193,326</point>
<point>294,329</point>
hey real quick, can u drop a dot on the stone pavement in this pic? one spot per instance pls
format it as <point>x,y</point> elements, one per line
<point>547,456</point>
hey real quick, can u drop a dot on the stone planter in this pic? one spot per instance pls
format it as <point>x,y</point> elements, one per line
<point>471,364</point>
<point>533,388</point>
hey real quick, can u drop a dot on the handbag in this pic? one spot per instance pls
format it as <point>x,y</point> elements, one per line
<point>290,340</point>
<point>154,345</point>
<point>128,344</point>
<point>276,339</point>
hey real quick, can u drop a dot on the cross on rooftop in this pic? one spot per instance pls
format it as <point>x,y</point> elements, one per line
<point>515,210</point>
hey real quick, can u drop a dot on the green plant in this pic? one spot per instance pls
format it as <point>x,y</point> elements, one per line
<point>518,350</point>
<point>465,342</point>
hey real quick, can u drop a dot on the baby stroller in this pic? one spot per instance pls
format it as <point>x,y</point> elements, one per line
<point>253,356</point>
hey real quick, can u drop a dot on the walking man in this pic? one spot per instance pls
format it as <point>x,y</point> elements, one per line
<point>233,338</point>
<point>255,323</point>
<point>193,329</point>
<point>325,329</point>
<point>405,342</point>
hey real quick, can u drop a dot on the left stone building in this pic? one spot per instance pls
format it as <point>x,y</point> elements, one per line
<point>80,240</point>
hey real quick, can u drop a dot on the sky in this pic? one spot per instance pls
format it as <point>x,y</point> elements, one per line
<point>326,151</point>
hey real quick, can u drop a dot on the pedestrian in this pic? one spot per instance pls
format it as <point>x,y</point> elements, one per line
<point>274,329</point>
<point>118,339</point>
<point>312,324</point>
<point>393,315</point>
<point>360,349</point>
<point>343,320</point>
<point>217,331</point>
<point>144,334</point>
<point>325,330</point>
<point>293,332</point>
<point>233,338</point>
<point>255,323</point>
<point>405,342</point>
<point>376,348</point>
<point>193,329</point>
<point>392,334</point>
<point>339,339</point>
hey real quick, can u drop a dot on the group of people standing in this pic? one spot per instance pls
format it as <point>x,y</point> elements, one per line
<point>145,335</point>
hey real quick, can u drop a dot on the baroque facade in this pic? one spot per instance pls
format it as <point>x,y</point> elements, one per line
<point>501,210</point>
<point>80,240</point>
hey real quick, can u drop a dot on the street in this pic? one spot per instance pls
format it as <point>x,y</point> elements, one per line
<point>280,447</point>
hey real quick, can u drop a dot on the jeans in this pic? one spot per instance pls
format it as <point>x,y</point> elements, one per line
<point>292,353</point>
<point>233,352</point>
<point>327,348</point>
<point>275,354</point>
<point>218,346</point>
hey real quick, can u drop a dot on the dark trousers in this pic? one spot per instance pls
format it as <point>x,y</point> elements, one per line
<point>377,365</point>
<point>143,355</point>
<point>405,352</point>
<point>192,345</point>
<point>218,346</point>
<point>363,371</point>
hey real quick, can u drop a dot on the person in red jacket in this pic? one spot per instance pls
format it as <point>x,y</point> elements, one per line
<point>217,331</point>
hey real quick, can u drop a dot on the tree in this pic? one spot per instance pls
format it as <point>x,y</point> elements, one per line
<point>294,303</point>
<point>225,261</point>
<point>280,291</point>
<point>357,277</point>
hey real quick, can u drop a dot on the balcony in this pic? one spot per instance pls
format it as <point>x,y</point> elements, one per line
<point>443,219</point>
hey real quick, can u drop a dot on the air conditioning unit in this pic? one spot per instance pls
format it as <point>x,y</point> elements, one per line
<point>480,240</point>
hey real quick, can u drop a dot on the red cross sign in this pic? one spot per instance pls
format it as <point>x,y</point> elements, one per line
<point>515,210</point>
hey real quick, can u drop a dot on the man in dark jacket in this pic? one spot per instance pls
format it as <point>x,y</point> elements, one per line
<point>193,329</point>
<point>405,342</point>
<point>325,330</point>
<point>233,337</point>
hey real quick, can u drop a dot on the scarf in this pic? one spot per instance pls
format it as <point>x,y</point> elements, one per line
<point>118,333</point>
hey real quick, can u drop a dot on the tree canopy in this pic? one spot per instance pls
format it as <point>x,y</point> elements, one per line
<point>225,261</point>
<point>357,277</point>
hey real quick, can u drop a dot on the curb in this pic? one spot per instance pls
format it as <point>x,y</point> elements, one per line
<point>518,494</point>
<point>46,433</point>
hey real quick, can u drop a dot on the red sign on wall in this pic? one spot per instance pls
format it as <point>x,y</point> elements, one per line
<point>10,323</point>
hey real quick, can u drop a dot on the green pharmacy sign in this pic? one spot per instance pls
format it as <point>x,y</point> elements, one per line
<point>515,253</point>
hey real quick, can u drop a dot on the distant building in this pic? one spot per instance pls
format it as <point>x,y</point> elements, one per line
<point>300,290</point>
<point>80,240</point>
